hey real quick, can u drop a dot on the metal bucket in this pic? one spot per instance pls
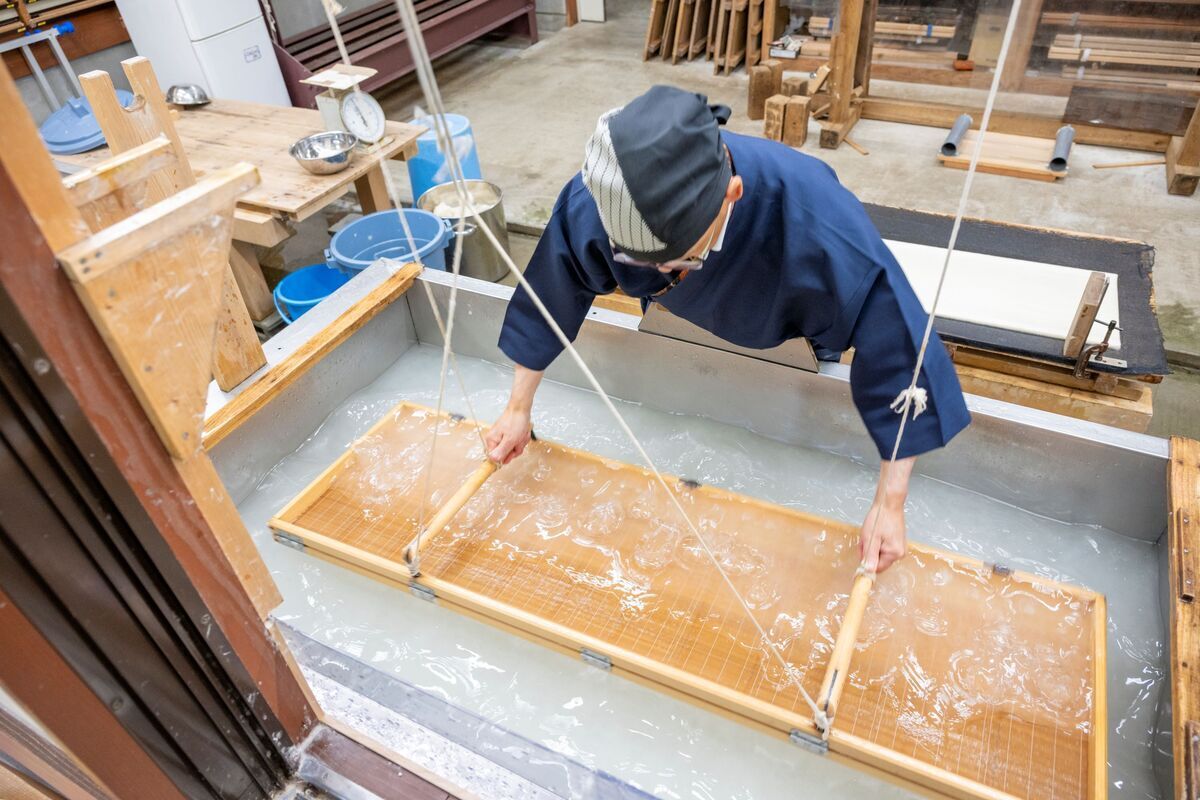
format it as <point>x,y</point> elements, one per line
<point>479,258</point>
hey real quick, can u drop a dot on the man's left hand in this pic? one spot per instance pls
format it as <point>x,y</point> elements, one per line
<point>882,540</point>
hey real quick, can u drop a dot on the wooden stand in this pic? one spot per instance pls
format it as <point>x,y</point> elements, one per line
<point>238,353</point>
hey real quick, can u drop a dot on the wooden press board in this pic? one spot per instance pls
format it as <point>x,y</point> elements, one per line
<point>1000,292</point>
<point>966,682</point>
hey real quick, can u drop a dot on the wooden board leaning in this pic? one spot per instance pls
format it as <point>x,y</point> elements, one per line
<point>586,554</point>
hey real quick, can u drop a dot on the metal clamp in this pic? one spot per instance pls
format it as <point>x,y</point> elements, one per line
<point>423,592</point>
<point>811,743</point>
<point>289,540</point>
<point>596,659</point>
<point>1094,354</point>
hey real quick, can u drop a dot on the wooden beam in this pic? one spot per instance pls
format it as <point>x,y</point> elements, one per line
<point>942,115</point>
<point>795,121</point>
<point>1183,159</point>
<point>1183,542</point>
<point>274,381</point>
<point>773,115</point>
<point>243,261</point>
<point>1017,60</point>
<point>841,81</point>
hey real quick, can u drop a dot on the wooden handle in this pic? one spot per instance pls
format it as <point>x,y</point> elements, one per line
<point>843,648</point>
<point>451,507</point>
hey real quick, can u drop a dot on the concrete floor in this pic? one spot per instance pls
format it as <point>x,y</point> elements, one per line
<point>533,107</point>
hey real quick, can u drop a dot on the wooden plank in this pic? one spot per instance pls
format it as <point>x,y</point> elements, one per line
<point>700,23</point>
<point>152,285</point>
<point>735,43</point>
<point>466,570</point>
<point>1165,113</point>
<point>724,8</point>
<point>1114,411</point>
<point>1006,154</point>
<point>669,23</point>
<point>683,30</point>
<point>1044,372</point>
<point>260,228</point>
<point>1085,314</point>
<point>251,285</point>
<point>654,28</point>
<point>1183,542</point>
<point>117,176</point>
<point>274,381</point>
<point>619,301</point>
<point>942,115</point>
<point>24,158</point>
<point>237,353</point>
<point>773,117</point>
<point>795,121</point>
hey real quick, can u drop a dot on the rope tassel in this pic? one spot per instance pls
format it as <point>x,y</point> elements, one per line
<point>915,396</point>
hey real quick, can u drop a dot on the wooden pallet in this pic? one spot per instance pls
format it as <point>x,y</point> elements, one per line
<point>1007,154</point>
<point>1002,695</point>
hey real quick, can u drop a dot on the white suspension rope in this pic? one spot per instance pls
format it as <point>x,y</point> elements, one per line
<point>332,9</point>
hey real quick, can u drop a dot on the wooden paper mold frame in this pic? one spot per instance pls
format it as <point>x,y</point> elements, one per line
<point>967,680</point>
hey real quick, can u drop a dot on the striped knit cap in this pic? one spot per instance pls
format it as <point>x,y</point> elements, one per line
<point>658,172</point>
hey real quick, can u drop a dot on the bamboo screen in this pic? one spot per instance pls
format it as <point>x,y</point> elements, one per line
<point>963,677</point>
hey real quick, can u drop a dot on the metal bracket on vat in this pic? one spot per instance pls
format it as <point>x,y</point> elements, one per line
<point>811,743</point>
<point>595,659</point>
<point>422,592</point>
<point>289,540</point>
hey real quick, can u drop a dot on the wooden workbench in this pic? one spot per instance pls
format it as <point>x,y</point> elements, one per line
<point>228,131</point>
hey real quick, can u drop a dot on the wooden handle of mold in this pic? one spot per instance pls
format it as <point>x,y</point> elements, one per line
<point>843,647</point>
<point>451,507</point>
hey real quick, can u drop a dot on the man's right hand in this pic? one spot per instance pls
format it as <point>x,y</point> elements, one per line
<point>509,436</point>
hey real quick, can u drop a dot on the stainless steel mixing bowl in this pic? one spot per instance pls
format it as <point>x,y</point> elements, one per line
<point>187,94</point>
<point>325,153</point>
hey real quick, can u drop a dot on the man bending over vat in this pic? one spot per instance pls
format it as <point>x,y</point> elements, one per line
<point>752,241</point>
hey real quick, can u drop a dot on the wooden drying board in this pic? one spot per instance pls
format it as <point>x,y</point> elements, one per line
<point>627,582</point>
<point>1007,154</point>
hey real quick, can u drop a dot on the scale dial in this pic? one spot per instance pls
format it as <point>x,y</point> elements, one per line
<point>363,116</point>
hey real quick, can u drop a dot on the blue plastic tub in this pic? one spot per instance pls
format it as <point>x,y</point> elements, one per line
<point>380,235</point>
<point>428,167</point>
<point>304,288</point>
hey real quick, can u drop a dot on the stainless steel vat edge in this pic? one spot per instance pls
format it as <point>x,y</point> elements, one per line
<point>1063,468</point>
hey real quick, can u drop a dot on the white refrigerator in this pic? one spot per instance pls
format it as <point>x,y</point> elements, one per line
<point>222,45</point>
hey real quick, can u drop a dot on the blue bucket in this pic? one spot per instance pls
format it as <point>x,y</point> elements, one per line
<point>304,288</point>
<point>380,235</point>
<point>428,167</point>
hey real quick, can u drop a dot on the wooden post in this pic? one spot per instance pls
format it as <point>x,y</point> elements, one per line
<point>446,513</point>
<point>1183,159</point>
<point>843,648</point>
<point>773,113</point>
<point>776,67</point>
<point>1085,314</point>
<point>843,64</point>
<point>795,122</point>
<point>1024,31</point>
<point>759,89</point>
<point>1183,542</point>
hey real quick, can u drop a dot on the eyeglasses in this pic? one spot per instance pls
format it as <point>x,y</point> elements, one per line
<point>679,263</point>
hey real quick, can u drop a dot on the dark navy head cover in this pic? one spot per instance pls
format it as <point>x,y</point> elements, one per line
<point>658,172</point>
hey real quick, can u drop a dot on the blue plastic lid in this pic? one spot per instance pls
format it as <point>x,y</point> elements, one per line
<point>457,123</point>
<point>74,129</point>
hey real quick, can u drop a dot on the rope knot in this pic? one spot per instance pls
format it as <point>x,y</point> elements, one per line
<point>914,395</point>
<point>823,723</point>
